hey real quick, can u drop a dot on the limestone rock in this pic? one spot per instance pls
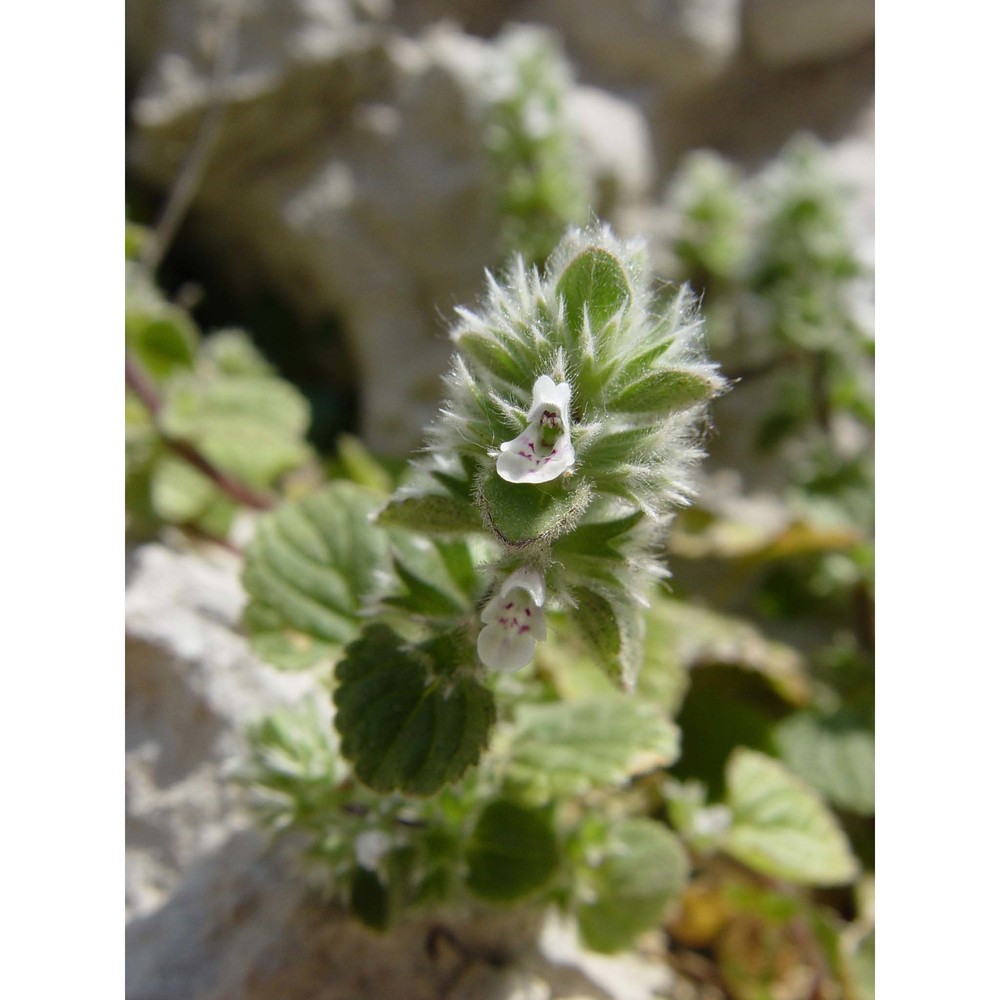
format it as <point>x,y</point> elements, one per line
<point>617,146</point>
<point>790,32</point>
<point>679,44</point>
<point>191,688</point>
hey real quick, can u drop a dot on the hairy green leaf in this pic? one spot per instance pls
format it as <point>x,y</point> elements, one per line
<point>410,718</point>
<point>231,352</point>
<point>512,852</point>
<point>308,572</point>
<point>437,579</point>
<point>664,390</point>
<point>360,466</point>
<point>706,638</point>
<point>834,753</point>
<point>643,869</point>
<point>598,540</point>
<point>494,357</point>
<point>251,426</point>
<point>780,826</point>
<point>520,515</point>
<point>615,630</point>
<point>564,749</point>
<point>159,335</point>
<point>431,513</point>
<point>594,281</point>
<point>178,491</point>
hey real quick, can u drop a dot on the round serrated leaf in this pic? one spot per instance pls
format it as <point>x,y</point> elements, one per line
<point>512,853</point>
<point>163,344</point>
<point>644,867</point>
<point>160,336</point>
<point>178,491</point>
<point>308,571</point>
<point>834,753</point>
<point>564,749</point>
<point>596,281</point>
<point>249,425</point>
<point>780,826</point>
<point>408,723</point>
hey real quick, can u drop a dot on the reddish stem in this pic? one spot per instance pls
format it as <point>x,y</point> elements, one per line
<point>139,382</point>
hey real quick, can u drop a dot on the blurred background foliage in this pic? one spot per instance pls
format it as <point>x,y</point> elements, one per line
<point>760,654</point>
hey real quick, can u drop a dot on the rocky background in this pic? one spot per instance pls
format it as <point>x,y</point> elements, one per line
<point>345,207</point>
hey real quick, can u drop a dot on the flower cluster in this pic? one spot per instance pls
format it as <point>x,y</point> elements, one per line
<point>571,426</point>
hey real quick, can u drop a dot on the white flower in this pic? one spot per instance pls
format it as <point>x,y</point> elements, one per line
<point>542,451</point>
<point>514,619</point>
<point>370,847</point>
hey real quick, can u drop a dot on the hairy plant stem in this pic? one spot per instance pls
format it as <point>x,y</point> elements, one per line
<point>137,380</point>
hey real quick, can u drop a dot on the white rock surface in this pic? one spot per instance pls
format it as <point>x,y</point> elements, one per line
<point>680,44</point>
<point>783,33</point>
<point>617,146</point>
<point>192,687</point>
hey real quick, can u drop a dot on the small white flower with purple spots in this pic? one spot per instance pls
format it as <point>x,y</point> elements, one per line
<point>542,451</point>
<point>513,621</point>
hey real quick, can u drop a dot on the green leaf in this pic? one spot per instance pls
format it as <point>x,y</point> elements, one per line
<point>163,344</point>
<point>520,513</point>
<point>615,630</point>
<point>663,679</point>
<point>409,718</point>
<point>598,540</point>
<point>565,749</point>
<point>361,466</point>
<point>308,572</point>
<point>594,280</point>
<point>706,638</point>
<point>178,491</point>
<point>494,358</point>
<point>512,852</point>
<point>431,513</point>
<point>437,578</point>
<point>136,238</point>
<point>643,869</point>
<point>231,352</point>
<point>664,391</point>
<point>250,426</point>
<point>781,827</point>
<point>160,336</point>
<point>834,753</point>
<point>616,448</point>
<point>423,598</point>
<point>860,968</point>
